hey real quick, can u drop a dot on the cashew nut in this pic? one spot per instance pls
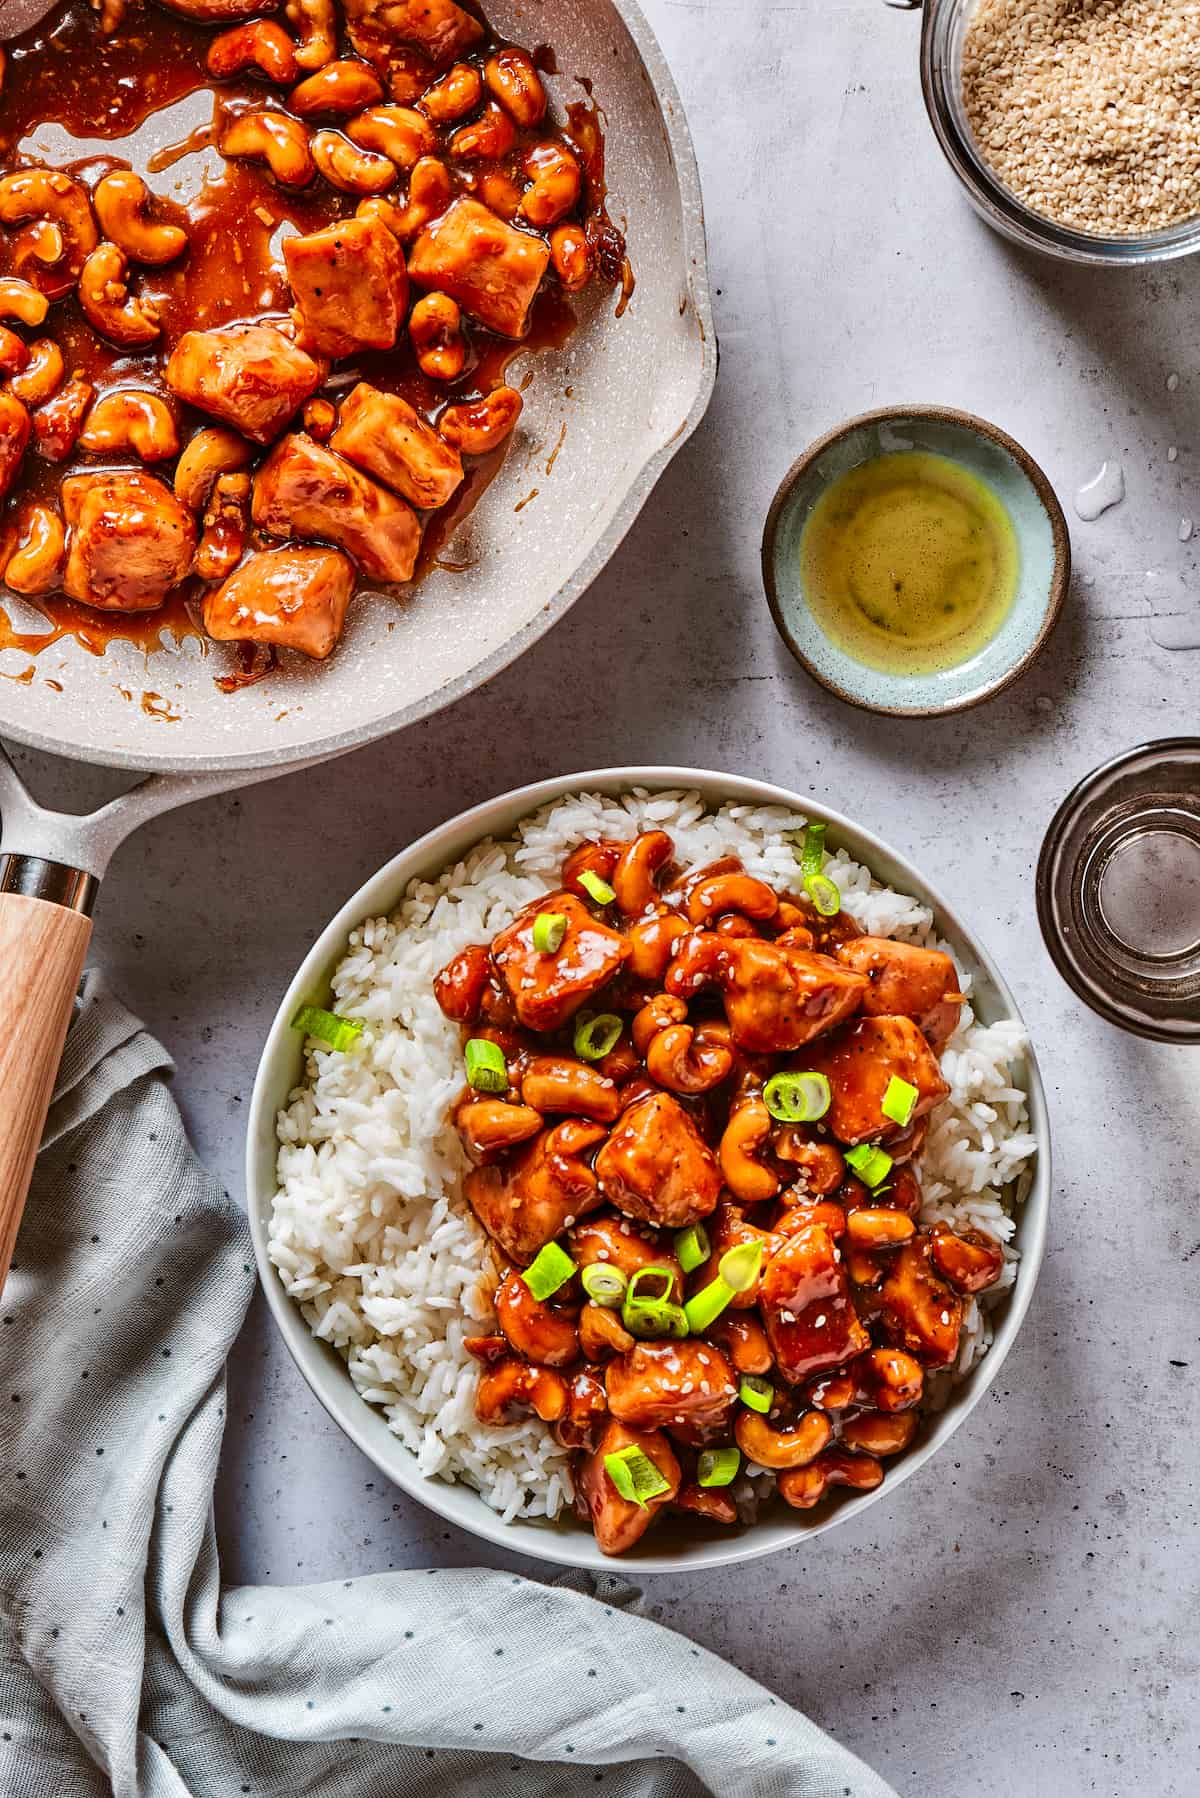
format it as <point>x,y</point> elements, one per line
<point>486,139</point>
<point>744,1135</point>
<point>512,76</point>
<point>60,198</point>
<point>436,334</point>
<point>499,192</point>
<point>108,303</point>
<point>571,255</point>
<point>340,87</point>
<point>481,425</point>
<point>555,180</point>
<point>141,422</point>
<point>14,352</point>
<point>731,893</point>
<point>553,1083</point>
<point>58,422</point>
<point>211,452</point>
<point>487,1125</point>
<point>453,94</point>
<point>274,138</point>
<point>651,942</point>
<point>601,1333</point>
<point>744,1341</point>
<point>794,1447</point>
<point>21,301</point>
<point>512,1384</point>
<point>397,132</point>
<point>320,419</point>
<point>805,1487</point>
<point>687,1060</point>
<point>315,22</point>
<point>535,1329</point>
<point>226,528</point>
<point>349,168</point>
<point>807,1212</point>
<point>429,193</point>
<point>633,880</point>
<point>36,563</point>
<point>876,1434</point>
<point>658,1013</point>
<point>121,201</point>
<point>878,1227</point>
<point>819,1165</point>
<point>41,243</point>
<point>259,44</point>
<point>832,1392</point>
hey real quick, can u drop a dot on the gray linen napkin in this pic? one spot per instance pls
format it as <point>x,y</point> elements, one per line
<point>125,1666</point>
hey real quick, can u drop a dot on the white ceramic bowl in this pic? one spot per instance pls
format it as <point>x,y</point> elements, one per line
<point>670,1546</point>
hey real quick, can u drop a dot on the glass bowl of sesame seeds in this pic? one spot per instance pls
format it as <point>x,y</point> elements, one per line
<point>1073,125</point>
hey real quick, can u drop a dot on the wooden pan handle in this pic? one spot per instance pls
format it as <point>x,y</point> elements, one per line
<point>42,950</point>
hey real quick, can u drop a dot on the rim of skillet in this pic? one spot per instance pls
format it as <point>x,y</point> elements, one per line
<point>1060,574</point>
<point>328,743</point>
<point>323,1368</point>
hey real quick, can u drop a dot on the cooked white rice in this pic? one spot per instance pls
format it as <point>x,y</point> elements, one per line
<point>368,1229</point>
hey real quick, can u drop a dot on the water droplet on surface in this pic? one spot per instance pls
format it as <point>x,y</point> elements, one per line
<point>1172,454</point>
<point>1185,529</point>
<point>1174,610</point>
<point>1104,490</point>
<point>1172,383</point>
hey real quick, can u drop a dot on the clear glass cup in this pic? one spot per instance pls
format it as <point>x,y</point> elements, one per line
<point>1118,890</point>
<point>943,28</point>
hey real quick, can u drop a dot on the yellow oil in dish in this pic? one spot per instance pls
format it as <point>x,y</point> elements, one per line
<point>909,563</point>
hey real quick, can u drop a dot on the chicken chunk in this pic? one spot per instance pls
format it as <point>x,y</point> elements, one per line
<point>381,433</point>
<point>907,982</point>
<point>658,1385</point>
<point>15,428</point>
<point>614,1241</point>
<point>439,29</point>
<point>531,1198</point>
<point>777,998</point>
<point>130,541</point>
<point>859,1063</point>
<point>657,1166</point>
<point>489,267</point>
<point>920,1312</point>
<point>306,490</point>
<point>295,597</point>
<point>350,286</point>
<point>251,376</point>
<point>807,1308</point>
<point>618,1522</point>
<point>549,989</point>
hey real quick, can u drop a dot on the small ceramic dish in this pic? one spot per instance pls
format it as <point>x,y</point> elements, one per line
<point>1042,539</point>
<point>672,1547</point>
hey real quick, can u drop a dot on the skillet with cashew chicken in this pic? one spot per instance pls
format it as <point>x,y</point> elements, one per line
<point>695,1109</point>
<point>232,411</point>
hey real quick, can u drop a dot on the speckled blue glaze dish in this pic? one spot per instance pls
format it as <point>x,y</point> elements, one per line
<point>1015,479</point>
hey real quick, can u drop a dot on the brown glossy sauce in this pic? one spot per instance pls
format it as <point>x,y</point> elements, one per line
<point>66,73</point>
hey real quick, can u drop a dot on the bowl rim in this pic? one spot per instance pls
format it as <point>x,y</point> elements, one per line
<point>460,1504</point>
<point>1060,578</point>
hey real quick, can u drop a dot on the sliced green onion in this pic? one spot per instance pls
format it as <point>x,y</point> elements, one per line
<point>487,1069</point>
<point>604,1285</point>
<point>328,1027</point>
<point>739,1267</point>
<point>550,1268</point>
<point>811,853</point>
<point>717,1466</point>
<point>871,1164</point>
<point>650,1315</point>
<point>824,894</point>
<point>549,929</point>
<point>596,1033</point>
<point>899,1100</point>
<point>596,888</point>
<point>797,1098</point>
<point>692,1247</point>
<point>705,1306</point>
<point>755,1392</point>
<point>634,1475</point>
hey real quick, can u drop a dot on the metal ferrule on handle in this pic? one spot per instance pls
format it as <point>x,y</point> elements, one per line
<point>33,877</point>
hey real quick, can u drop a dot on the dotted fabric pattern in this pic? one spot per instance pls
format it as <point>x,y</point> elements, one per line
<point>125,1668</point>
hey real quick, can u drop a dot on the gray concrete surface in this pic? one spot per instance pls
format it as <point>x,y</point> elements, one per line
<point>1022,1616</point>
